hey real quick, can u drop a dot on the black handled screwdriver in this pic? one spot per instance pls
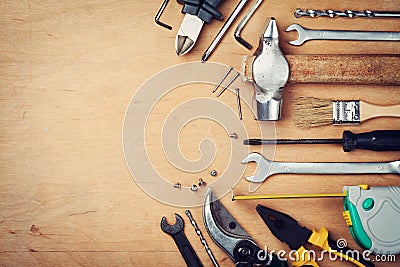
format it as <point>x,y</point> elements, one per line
<point>383,140</point>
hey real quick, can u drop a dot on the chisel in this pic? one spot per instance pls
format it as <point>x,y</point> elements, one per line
<point>383,140</point>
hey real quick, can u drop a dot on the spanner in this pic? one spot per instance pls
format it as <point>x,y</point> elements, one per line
<point>181,241</point>
<point>305,34</point>
<point>268,167</point>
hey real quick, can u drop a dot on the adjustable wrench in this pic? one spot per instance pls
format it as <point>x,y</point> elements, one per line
<point>268,167</point>
<point>305,34</point>
<point>181,241</point>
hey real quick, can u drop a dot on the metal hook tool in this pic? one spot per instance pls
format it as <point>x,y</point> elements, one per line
<point>243,23</point>
<point>159,13</point>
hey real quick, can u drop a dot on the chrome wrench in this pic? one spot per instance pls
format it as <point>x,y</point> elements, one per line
<point>267,168</point>
<point>305,34</point>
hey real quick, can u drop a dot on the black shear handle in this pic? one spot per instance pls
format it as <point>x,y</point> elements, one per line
<point>204,9</point>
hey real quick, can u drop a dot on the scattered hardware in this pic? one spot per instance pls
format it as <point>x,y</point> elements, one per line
<point>196,13</point>
<point>239,104</point>
<point>233,135</point>
<point>213,173</point>
<point>223,30</point>
<point>287,230</point>
<point>384,140</point>
<point>178,185</point>
<point>202,183</point>
<point>243,23</point>
<point>267,168</point>
<point>346,13</point>
<point>223,79</point>
<point>181,241</point>
<point>305,35</point>
<point>228,84</point>
<point>194,188</point>
<point>159,13</point>
<point>200,235</point>
<point>230,236</point>
<point>311,112</point>
<point>361,204</point>
<point>269,79</point>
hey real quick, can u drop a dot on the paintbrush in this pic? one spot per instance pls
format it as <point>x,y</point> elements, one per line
<point>312,112</point>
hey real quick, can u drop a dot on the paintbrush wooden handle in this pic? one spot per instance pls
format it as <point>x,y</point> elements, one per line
<point>345,69</point>
<point>368,111</point>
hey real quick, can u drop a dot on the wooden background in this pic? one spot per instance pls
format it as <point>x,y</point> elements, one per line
<point>68,70</point>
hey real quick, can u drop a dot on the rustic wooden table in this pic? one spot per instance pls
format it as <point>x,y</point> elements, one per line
<point>68,71</point>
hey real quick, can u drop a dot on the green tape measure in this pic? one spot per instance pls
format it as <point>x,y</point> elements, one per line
<point>373,216</point>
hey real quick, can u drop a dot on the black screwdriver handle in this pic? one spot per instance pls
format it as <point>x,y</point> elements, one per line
<point>383,140</point>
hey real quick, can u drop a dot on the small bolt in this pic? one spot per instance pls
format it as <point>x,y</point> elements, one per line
<point>177,185</point>
<point>202,183</point>
<point>193,188</point>
<point>213,173</point>
<point>233,135</point>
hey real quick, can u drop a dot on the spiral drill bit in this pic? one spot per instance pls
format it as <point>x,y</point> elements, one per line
<point>346,13</point>
<point>203,241</point>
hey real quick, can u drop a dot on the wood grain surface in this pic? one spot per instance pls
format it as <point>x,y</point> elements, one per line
<point>68,70</point>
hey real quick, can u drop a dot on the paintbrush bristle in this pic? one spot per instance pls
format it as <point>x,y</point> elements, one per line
<point>312,112</point>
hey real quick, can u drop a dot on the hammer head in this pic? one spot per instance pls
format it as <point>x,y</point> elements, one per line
<point>270,71</point>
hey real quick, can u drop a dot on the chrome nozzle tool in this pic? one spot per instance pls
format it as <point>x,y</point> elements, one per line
<point>385,140</point>
<point>270,72</point>
<point>196,13</point>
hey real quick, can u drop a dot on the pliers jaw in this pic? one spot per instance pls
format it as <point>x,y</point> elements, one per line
<point>284,227</point>
<point>188,33</point>
<point>230,236</point>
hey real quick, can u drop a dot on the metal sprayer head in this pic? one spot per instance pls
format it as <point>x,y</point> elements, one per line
<point>269,71</point>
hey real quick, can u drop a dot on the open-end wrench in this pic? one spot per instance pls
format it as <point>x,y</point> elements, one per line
<point>305,34</point>
<point>181,241</point>
<point>268,167</point>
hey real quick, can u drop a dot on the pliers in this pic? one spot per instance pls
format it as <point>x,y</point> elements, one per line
<point>288,230</point>
<point>196,13</point>
<point>232,238</point>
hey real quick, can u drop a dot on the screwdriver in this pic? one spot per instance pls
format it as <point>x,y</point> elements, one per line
<point>381,140</point>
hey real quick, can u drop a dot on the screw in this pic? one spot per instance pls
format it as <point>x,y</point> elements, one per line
<point>193,188</point>
<point>202,183</point>
<point>178,185</point>
<point>233,135</point>
<point>213,173</point>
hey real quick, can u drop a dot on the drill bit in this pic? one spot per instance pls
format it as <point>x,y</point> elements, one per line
<point>203,241</point>
<point>346,13</point>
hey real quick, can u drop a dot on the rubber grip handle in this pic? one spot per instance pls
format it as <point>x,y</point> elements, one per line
<point>383,140</point>
<point>187,251</point>
<point>344,252</point>
<point>205,10</point>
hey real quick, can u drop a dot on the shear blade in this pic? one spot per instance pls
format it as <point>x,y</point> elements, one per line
<point>187,34</point>
<point>221,226</point>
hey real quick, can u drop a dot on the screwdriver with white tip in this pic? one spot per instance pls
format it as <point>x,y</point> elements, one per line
<point>382,140</point>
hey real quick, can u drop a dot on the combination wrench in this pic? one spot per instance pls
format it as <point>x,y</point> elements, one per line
<point>305,34</point>
<point>267,168</point>
<point>181,241</point>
